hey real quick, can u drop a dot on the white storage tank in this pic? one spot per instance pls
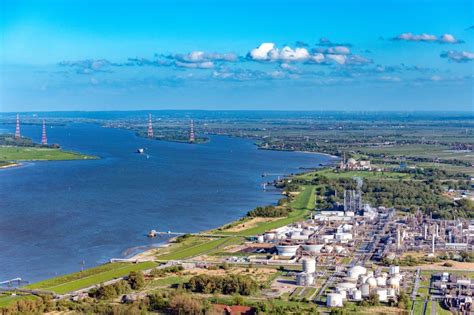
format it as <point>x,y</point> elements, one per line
<point>382,294</point>
<point>313,248</point>
<point>304,279</point>
<point>381,281</point>
<point>394,283</point>
<point>356,271</point>
<point>260,239</point>
<point>287,250</point>
<point>357,295</point>
<point>371,282</point>
<point>394,270</point>
<point>334,300</point>
<point>270,236</point>
<point>365,289</point>
<point>391,292</point>
<point>309,265</point>
<point>339,249</point>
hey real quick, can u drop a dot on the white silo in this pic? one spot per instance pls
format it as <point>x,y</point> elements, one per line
<point>334,300</point>
<point>260,239</point>
<point>382,294</point>
<point>309,265</point>
<point>365,289</point>
<point>309,279</point>
<point>391,292</point>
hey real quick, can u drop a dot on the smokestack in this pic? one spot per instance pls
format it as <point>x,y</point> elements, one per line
<point>433,244</point>
<point>437,230</point>
<point>425,234</point>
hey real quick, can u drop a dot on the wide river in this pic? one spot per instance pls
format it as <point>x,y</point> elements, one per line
<point>55,215</point>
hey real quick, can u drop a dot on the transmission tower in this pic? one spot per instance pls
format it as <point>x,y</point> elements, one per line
<point>44,139</point>
<point>150,127</point>
<point>17,130</point>
<point>191,132</point>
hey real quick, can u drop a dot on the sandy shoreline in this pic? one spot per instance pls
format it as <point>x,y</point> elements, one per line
<point>10,165</point>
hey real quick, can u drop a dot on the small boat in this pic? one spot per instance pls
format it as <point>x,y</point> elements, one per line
<point>152,233</point>
<point>140,150</point>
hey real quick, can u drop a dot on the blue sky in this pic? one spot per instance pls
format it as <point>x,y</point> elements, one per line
<point>279,55</point>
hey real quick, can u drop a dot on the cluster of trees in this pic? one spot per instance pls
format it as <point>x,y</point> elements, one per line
<point>462,256</point>
<point>135,281</point>
<point>163,302</point>
<point>163,271</point>
<point>110,291</point>
<point>230,284</point>
<point>413,195</point>
<point>8,139</point>
<point>268,212</point>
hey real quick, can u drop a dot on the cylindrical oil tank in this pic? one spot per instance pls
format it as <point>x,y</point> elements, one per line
<point>357,295</point>
<point>313,248</point>
<point>391,292</point>
<point>287,250</point>
<point>356,271</point>
<point>371,282</point>
<point>270,236</point>
<point>365,289</point>
<point>381,281</point>
<point>334,300</point>
<point>309,265</point>
<point>382,294</point>
<point>328,248</point>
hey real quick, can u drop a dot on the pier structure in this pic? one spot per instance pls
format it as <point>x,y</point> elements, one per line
<point>44,139</point>
<point>150,127</point>
<point>17,130</point>
<point>191,132</point>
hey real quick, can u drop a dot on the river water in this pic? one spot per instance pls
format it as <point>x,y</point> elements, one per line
<point>54,215</point>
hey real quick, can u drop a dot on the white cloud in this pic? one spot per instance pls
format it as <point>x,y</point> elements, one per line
<point>268,52</point>
<point>201,56</point>
<point>340,50</point>
<point>458,56</point>
<point>335,54</point>
<point>262,51</point>
<point>195,65</point>
<point>424,37</point>
<point>340,59</point>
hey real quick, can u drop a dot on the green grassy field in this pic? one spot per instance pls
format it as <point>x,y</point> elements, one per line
<point>195,250</point>
<point>7,300</point>
<point>440,310</point>
<point>9,153</point>
<point>89,277</point>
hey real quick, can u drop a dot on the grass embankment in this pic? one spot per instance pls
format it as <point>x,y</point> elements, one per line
<point>10,153</point>
<point>7,300</point>
<point>193,246</point>
<point>89,277</point>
